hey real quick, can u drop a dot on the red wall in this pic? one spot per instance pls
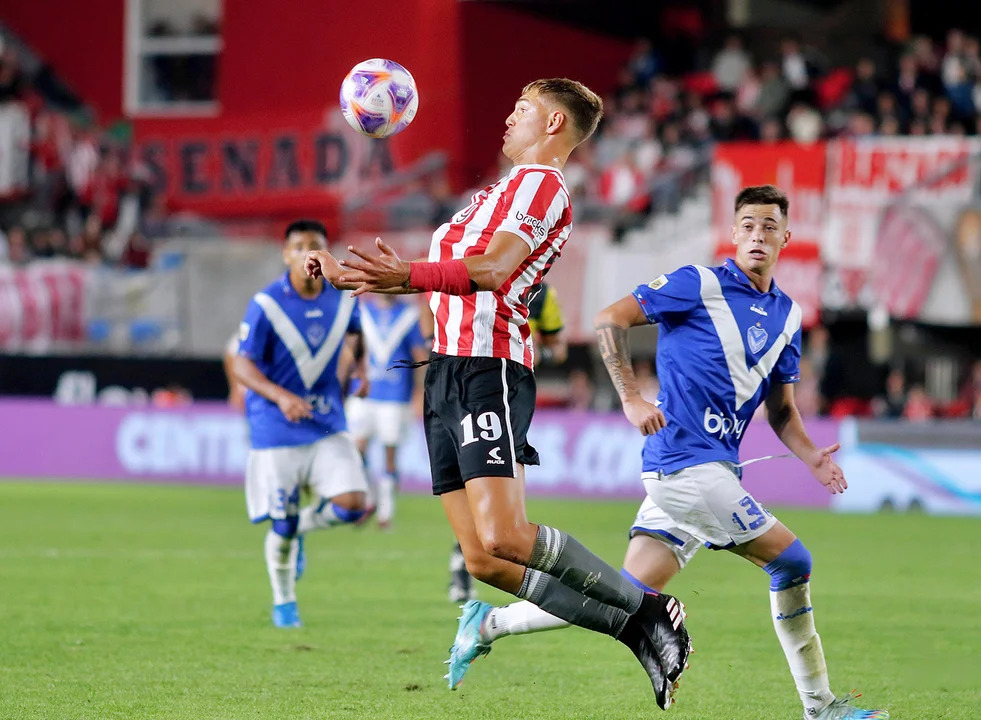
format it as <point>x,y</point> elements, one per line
<point>81,39</point>
<point>282,65</point>
<point>278,62</point>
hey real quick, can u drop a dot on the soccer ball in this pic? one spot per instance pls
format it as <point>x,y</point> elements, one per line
<point>379,98</point>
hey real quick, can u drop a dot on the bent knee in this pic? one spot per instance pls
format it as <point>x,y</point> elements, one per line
<point>485,567</point>
<point>351,501</point>
<point>287,527</point>
<point>509,544</point>
<point>790,568</point>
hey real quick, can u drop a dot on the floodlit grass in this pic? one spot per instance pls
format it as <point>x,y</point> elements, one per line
<point>152,602</point>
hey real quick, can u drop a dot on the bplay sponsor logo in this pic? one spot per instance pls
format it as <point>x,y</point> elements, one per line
<point>720,425</point>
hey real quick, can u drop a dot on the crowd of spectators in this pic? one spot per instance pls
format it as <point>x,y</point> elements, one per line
<point>659,126</point>
<point>83,194</point>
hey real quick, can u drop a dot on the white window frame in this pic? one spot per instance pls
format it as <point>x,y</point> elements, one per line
<point>137,46</point>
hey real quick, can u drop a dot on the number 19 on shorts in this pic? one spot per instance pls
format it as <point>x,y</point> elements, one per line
<point>489,425</point>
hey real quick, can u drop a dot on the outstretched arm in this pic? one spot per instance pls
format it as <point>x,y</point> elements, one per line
<point>611,325</point>
<point>785,419</point>
<point>321,262</point>
<point>387,272</point>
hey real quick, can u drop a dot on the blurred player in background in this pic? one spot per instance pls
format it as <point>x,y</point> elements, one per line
<point>394,340</point>
<point>729,341</point>
<point>290,344</point>
<point>236,390</point>
<point>480,388</point>
<point>551,348</point>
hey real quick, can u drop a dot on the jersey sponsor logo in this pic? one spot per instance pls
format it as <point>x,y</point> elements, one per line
<point>537,226</point>
<point>316,334</point>
<point>718,424</point>
<point>494,457</point>
<point>321,403</point>
<point>658,282</point>
<point>756,337</point>
<point>243,331</point>
<point>316,312</point>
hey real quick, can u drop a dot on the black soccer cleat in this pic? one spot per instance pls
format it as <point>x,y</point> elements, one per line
<point>658,627</point>
<point>663,619</point>
<point>643,649</point>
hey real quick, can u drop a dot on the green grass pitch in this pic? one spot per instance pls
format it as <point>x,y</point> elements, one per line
<point>120,601</point>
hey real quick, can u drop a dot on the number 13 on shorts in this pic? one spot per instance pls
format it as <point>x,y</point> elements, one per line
<point>755,514</point>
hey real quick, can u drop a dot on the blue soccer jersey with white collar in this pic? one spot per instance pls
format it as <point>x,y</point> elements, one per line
<point>296,344</point>
<point>721,344</point>
<point>391,333</point>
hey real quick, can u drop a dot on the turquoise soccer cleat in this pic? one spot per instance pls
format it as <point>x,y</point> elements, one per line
<point>466,645</point>
<point>286,615</point>
<point>841,708</point>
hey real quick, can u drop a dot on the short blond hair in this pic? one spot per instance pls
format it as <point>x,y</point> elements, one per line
<point>584,106</point>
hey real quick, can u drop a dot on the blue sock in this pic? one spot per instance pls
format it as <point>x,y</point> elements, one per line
<point>637,583</point>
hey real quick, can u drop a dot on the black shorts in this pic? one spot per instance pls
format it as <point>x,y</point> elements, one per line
<point>477,414</point>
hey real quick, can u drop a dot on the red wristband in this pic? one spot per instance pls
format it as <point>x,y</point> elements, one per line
<point>448,276</point>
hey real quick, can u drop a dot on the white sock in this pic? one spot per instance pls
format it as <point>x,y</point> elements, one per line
<point>386,498</point>
<point>371,492</point>
<point>518,618</point>
<point>281,562</point>
<point>318,515</point>
<point>793,620</point>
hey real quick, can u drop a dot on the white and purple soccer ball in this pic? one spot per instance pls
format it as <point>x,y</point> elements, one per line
<point>379,98</point>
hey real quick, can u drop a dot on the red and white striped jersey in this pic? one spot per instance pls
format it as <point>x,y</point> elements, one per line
<point>532,202</point>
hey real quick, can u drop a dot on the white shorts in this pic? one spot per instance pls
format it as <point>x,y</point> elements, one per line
<point>701,504</point>
<point>386,421</point>
<point>274,476</point>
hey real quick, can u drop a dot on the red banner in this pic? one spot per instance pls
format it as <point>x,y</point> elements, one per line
<point>891,208</point>
<point>43,306</point>
<point>800,171</point>
<point>262,166</point>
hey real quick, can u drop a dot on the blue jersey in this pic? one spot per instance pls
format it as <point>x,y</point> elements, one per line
<point>391,333</point>
<point>721,344</point>
<point>296,344</point>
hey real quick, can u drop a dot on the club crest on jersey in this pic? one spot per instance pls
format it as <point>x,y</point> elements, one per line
<point>316,333</point>
<point>756,337</point>
<point>657,283</point>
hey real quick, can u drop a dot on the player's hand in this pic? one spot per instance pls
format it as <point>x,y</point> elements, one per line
<point>384,271</point>
<point>826,470</point>
<point>322,263</point>
<point>364,386</point>
<point>644,416</point>
<point>294,407</point>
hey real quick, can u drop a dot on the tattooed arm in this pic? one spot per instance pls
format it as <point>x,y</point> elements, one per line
<point>611,326</point>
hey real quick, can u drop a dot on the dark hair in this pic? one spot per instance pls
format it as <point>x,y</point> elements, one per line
<point>763,195</point>
<point>314,226</point>
<point>585,107</point>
